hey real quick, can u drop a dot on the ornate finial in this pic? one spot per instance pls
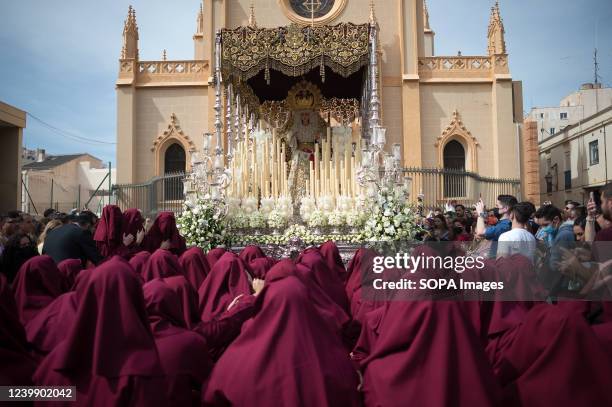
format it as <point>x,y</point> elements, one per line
<point>164,55</point>
<point>200,21</point>
<point>426,15</point>
<point>496,35</point>
<point>130,36</point>
<point>130,22</point>
<point>372,14</point>
<point>252,21</point>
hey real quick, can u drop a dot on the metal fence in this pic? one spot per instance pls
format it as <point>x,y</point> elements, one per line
<point>163,193</point>
<point>436,185</point>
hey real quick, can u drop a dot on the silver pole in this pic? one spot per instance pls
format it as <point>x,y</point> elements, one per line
<point>374,95</point>
<point>217,81</point>
<point>237,114</point>
<point>228,120</point>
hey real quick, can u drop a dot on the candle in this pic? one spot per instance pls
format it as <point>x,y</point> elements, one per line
<point>316,169</point>
<point>382,138</point>
<point>218,162</point>
<point>312,180</point>
<point>397,151</point>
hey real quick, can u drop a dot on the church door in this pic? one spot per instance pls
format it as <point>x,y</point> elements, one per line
<point>454,166</point>
<point>174,164</point>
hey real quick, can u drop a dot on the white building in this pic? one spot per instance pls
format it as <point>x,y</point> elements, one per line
<point>577,160</point>
<point>589,100</point>
<point>65,182</point>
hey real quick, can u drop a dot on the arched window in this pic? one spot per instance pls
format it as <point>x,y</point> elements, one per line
<point>454,166</point>
<point>454,155</point>
<point>174,163</point>
<point>174,159</point>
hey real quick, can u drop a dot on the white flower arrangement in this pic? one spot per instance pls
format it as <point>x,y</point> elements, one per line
<point>257,220</point>
<point>277,219</point>
<point>317,219</point>
<point>267,205</point>
<point>345,203</point>
<point>391,218</point>
<point>355,219</point>
<point>249,205</point>
<point>238,219</point>
<point>285,205</point>
<point>202,225</point>
<point>233,204</point>
<point>300,231</point>
<point>336,218</point>
<point>306,207</point>
<point>326,203</point>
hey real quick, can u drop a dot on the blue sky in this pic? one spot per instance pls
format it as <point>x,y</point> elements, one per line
<point>59,59</point>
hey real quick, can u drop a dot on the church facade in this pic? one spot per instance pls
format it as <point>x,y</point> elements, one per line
<point>460,112</point>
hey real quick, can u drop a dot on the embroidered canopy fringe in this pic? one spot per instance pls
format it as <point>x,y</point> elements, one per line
<point>294,50</point>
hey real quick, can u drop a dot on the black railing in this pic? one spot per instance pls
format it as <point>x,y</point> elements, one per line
<point>164,193</point>
<point>439,185</point>
<point>436,185</point>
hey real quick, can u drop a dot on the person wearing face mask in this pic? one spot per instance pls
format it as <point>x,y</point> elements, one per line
<point>459,231</point>
<point>492,233</point>
<point>553,227</point>
<point>559,237</point>
<point>19,249</point>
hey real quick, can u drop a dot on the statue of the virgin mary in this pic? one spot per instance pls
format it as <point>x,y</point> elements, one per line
<point>307,129</point>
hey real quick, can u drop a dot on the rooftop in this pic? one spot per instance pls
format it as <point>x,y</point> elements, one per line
<point>52,161</point>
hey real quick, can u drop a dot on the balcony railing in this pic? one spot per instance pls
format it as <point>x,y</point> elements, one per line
<point>462,66</point>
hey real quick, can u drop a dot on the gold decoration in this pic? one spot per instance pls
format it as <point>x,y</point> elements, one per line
<point>304,96</point>
<point>344,111</point>
<point>294,50</point>
<point>276,113</point>
<point>248,98</point>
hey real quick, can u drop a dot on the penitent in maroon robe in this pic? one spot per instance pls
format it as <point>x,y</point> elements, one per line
<point>109,354</point>
<point>228,279</point>
<point>36,285</point>
<point>195,266</point>
<point>183,353</point>
<point>286,355</point>
<point>161,264</point>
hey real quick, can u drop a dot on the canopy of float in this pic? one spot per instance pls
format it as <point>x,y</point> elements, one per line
<point>264,64</point>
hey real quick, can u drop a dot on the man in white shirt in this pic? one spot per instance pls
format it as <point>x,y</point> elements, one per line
<point>518,239</point>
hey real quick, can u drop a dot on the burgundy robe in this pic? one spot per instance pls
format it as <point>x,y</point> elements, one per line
<point>132,222</point>
<point>70,269</point>
<point>109,354</point>
<point>108,236</point>
<point>164,228</point>
<point>161,264</point>
<point>183,353</point>
<point>36,285</point>
<point>286,355</point>
<point>195,266</point>
<point>311,263</point>
<point>426,353</point>
<point>17,365</point>
<point>228,279</point>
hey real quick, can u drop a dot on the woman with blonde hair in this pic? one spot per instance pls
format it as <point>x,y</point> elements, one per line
<point>52,224</point>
